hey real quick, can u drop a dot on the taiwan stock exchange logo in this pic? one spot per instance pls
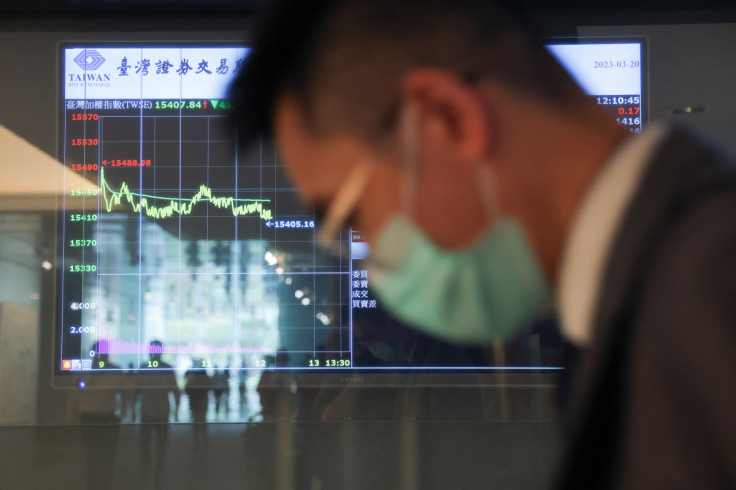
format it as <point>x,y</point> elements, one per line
<point>89,59</point>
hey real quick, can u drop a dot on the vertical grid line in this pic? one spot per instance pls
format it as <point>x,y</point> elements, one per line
<point>140,216</point>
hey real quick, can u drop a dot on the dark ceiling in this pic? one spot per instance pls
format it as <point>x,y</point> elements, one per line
<point>86,7</point>
<point>555,17</point>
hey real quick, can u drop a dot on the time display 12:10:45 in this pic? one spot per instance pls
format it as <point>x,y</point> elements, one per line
<point>614,100</point>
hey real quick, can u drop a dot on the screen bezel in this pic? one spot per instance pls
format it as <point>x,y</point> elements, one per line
<point>365,377</point>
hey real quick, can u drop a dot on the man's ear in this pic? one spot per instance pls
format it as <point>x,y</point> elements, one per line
<point>449,112</point>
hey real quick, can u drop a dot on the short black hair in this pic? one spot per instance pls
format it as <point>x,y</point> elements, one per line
<point>343,59</point>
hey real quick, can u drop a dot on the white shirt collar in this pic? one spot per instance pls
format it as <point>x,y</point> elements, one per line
<point>593,230</point>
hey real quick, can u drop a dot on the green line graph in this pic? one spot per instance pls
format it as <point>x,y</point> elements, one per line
<point>143,202</point>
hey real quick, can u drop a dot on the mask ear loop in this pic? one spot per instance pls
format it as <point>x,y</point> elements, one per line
<point>409,152</point>
<point>489,195</point>
<point>408,147</point>
<point>488,192</point>
<point>345,201</point>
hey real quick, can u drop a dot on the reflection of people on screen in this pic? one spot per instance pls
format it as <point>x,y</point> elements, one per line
<point>221,389</point>
<point>198,385</point>
<point>156,384</point>
<point>242,391</point>
<point>128,395</point>
<point>276,389</point>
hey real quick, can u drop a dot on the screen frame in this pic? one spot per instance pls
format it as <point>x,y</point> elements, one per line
<point>491,376</point>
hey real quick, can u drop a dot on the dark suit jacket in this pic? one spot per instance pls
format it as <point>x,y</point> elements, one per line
<point>654,398</point>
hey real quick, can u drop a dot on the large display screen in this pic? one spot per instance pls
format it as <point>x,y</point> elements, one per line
<point>185,252</point>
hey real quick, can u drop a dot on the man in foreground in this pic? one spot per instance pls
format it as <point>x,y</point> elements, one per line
<point>488,184</point>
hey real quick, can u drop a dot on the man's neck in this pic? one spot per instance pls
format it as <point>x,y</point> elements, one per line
<point>552,162</point>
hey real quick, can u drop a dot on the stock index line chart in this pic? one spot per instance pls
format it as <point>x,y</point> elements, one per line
<point>181,245</point>
<point>143,202</point>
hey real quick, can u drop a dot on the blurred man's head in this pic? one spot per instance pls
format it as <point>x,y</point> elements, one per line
<point>346,61</point>
<point>332,80</point>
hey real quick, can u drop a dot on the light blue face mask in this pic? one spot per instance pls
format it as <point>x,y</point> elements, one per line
<point>484,292</point>
<point>488,291</point>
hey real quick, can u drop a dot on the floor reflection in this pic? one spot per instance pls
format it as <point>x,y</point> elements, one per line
<point>285,455</point>
<point>156,427</point>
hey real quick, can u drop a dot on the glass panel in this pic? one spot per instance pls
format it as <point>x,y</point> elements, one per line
<point>166,317</point>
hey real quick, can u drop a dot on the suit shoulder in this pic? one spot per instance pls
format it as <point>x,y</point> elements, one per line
<point>701,234</point>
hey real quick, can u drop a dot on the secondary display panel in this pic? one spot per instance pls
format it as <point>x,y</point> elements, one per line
<point>185,251</point>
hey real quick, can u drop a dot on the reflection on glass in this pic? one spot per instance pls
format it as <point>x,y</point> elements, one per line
<point>159,280</point>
